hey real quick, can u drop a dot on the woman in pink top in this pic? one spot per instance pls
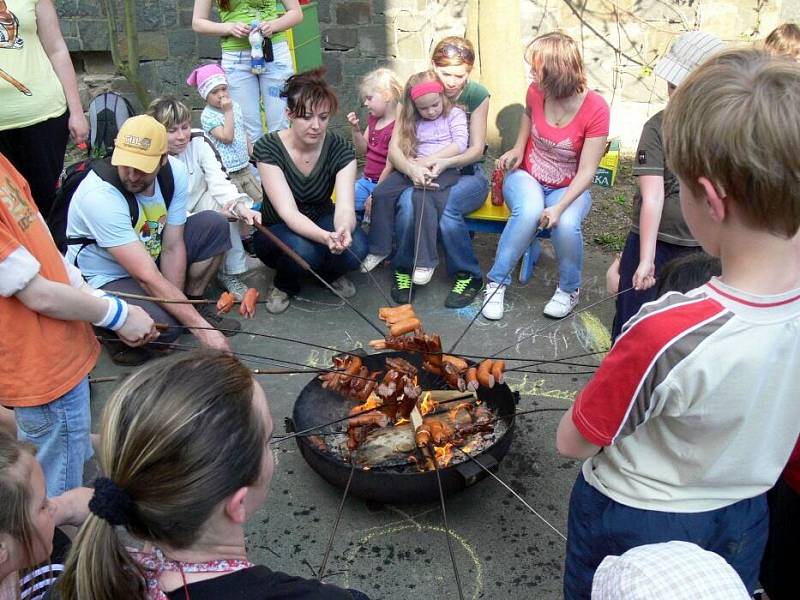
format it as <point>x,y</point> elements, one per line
<point>561,140</point>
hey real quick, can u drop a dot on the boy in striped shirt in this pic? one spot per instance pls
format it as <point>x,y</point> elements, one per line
<point>694,412</point>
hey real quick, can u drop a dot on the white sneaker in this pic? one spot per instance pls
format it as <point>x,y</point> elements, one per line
<point>344,286</point>
<point>371,261</point>
<point>493,301</point>
<point>561,304</point>
<point>277,301</point>
<point>233,284</point>
<point>422,275</point>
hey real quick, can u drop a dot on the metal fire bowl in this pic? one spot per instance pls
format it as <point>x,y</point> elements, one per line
<point>316,406</point>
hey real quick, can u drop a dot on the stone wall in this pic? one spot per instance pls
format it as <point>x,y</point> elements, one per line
<point>621,41</point>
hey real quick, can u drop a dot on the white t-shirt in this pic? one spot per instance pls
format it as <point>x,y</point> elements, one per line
<point>698,403</point>
<point>99,211</point>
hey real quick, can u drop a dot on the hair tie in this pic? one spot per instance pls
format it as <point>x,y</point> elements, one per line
<point>110,502</point>
<point>426,87</point>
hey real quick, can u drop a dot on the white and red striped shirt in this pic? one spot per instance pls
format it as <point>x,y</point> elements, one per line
<point>698,403</point>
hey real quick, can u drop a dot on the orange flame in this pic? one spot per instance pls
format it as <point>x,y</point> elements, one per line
<point>427,405</point>
<point>444,454</point>
<point>401,421</point>
<point>372,402</point>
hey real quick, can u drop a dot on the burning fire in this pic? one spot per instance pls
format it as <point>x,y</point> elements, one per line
<point>427,405</point>
<point>372,402</point>
<point>444,454</point>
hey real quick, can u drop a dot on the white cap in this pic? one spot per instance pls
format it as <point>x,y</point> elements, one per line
<point>688,51</point>
<point>669,571</point>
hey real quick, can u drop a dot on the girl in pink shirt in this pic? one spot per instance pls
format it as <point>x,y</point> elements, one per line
<point>560,143</point>
<point>381,90</point>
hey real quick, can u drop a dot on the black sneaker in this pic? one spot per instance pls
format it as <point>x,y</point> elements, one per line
<point>249,246</point>
<point>229,327</point>
<point>401,287</point>
<point>125,356</point>
<point>465,288</point>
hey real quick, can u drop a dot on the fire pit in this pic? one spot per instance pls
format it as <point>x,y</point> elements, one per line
<point>395,479</point>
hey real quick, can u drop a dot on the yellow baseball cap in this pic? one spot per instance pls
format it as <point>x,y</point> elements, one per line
<point>140,143</point>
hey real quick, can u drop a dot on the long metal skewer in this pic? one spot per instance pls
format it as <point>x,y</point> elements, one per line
<point>516,495</point>
<point>374,281</point>
<point>444,521</point>
<point>338,518</point>
<point>306,267</point>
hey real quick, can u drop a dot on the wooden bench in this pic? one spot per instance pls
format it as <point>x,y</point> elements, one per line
<point>492,219</point>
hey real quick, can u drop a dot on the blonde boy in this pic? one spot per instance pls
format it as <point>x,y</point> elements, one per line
<point>696,407</point>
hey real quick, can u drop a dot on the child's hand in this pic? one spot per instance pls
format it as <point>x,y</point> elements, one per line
<point>352,118</point>
<point>612,276</point>
<point>239,30</point>
<point>645,276</point>
<point>267,28</point>
<point>510,160</point>
<point>226,104</point>
<point>420,176</point>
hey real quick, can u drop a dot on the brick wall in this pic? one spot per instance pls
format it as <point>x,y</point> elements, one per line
<point>621,41</point>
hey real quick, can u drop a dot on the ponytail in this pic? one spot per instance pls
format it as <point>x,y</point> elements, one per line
<point>179,436</point>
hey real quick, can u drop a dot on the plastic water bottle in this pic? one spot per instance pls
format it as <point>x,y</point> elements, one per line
<point>257,64</point>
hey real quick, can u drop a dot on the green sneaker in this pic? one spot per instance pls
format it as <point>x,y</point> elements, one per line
<point>401,287</point>
<point>465,288</point>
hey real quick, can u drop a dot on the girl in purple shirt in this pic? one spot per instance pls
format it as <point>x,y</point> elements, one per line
<point>429,127</point>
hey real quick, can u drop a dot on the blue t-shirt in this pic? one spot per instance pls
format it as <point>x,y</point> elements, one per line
<point>99,211</point>
<point>234,155</point>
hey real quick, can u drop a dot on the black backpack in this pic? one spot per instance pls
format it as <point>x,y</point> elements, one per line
<point>107,112</point>
<point>72,177</point>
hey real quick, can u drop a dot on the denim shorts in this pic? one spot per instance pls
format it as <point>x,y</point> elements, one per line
<point>60,430</point>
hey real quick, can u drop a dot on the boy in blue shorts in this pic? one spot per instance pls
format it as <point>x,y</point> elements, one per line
<point>694,412</point>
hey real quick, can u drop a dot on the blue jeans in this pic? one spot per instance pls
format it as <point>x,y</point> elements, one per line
<point>364,189</point>
<point>60,431</point>
<point>598,526</point>
<point>288,274</point>
<point>251,90</point>
<point>466,196</point>
<point>527,198</point>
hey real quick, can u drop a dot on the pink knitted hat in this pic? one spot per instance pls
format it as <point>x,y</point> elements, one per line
<point>206,77</point>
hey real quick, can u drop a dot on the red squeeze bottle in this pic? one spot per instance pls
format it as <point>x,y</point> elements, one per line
<point>497,186</point>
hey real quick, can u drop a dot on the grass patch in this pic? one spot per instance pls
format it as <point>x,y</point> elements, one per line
<point>611,241</point>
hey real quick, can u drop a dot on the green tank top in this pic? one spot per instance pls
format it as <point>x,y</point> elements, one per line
<point>247,11</point>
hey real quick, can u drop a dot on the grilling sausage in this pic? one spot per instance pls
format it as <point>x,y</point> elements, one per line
<point>248,306</point>
<point>386,312</point>
<point>472,379</point>
<point>498,369</point>
<point>459,363</point>
<point>225,303</point>
<point>485,377</point>
<point>406,326</point>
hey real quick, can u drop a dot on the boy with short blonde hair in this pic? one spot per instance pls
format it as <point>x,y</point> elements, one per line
<point>695,408</point>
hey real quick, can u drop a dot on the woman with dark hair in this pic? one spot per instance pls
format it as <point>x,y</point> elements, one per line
<point>561,139</point>
<point>300,167</point>
<point>186,457</point>
<point>452,60</point>
<point>252,87</point>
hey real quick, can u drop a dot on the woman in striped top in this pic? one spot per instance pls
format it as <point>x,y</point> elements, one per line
<point>299,168</point>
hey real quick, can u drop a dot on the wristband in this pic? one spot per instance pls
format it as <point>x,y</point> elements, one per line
<point>116,314</point>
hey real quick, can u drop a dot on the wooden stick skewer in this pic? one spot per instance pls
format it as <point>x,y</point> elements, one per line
<point>130,296</point>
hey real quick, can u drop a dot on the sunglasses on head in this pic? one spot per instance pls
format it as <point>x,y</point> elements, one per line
<point>451,51</point>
